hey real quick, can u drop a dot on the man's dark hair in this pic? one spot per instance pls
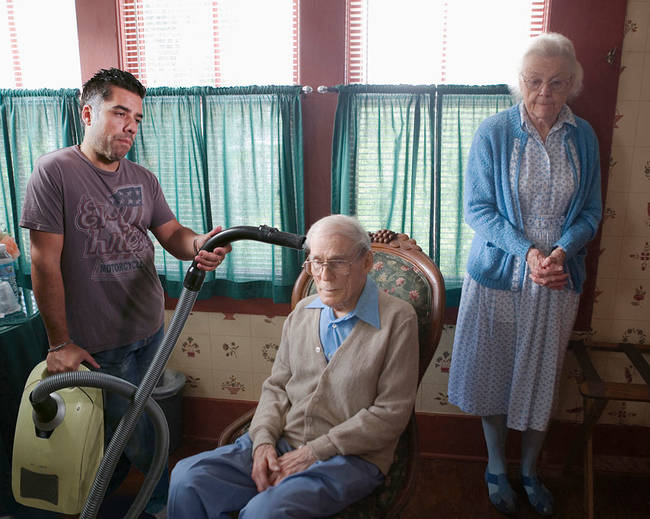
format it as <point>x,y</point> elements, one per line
<point>99,86</point>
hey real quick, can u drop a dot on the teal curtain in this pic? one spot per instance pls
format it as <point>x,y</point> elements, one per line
<point>398,161</point>
<point>34,122</point>
<point>223,156</point>
<point>229,156</point>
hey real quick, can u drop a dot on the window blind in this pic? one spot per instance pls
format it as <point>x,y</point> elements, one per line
<point>436,41</point>
<point>209,42</point>
<point>25,60</point>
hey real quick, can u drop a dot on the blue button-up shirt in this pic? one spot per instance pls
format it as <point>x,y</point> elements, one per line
<point>333,330</point>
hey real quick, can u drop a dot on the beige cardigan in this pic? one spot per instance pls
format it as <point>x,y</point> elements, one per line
<point>359,403</point>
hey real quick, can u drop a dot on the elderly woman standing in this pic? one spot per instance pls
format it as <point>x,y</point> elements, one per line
<point>532,196</point>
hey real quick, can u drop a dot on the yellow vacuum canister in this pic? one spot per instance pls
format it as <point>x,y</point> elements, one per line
<point>54,470</point>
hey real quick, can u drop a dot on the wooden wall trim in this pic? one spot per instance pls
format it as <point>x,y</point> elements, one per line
<point>443,435</point>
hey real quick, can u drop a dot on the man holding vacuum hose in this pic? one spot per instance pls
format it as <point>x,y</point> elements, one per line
<point>341,392</point>
<point>89,211</point>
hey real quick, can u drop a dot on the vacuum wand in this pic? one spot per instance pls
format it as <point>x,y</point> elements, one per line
<point>195,276</point>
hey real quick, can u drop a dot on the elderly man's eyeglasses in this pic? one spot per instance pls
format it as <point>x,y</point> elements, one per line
<point>554,85</point>
<point>340,267</point>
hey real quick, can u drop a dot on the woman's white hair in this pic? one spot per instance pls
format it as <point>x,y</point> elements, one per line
<point>552,45</point>
<point>342,225</point>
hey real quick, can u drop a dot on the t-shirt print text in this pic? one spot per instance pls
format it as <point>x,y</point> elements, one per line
<point>115,235</point>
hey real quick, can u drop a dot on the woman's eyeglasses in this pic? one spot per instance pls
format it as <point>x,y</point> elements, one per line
<point>554,85</point>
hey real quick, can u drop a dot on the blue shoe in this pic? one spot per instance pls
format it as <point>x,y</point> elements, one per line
<point>504,499</point>
<point>538,495</point>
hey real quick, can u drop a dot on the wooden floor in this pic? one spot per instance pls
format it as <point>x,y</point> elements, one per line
<point>455,489</point>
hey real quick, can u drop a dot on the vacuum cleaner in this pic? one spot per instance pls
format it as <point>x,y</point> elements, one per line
<point>59,438</point>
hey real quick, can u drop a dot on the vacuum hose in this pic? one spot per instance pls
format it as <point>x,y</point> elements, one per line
<point>46,407</point>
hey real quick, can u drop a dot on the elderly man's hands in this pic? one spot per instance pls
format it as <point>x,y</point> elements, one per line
<point>265,465</point>
<point>294,461</point>
<point>269,470</point>
<point>547,271</point>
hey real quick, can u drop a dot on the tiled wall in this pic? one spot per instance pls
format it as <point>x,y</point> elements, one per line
<point>229,356</point>
<point>622,309</point>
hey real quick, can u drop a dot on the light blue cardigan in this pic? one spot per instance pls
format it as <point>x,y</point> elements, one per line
<point>498,225</point>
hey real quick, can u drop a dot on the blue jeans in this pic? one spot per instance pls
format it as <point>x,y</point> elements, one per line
<point>130,363</point>
<point>214,483</point>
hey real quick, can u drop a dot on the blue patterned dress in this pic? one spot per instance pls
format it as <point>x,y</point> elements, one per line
<point>509,346</point>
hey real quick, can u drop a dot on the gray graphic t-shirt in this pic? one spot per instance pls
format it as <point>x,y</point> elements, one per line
<point>113,296</point>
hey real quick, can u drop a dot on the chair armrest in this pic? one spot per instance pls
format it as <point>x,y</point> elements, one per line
<point>235,429</point>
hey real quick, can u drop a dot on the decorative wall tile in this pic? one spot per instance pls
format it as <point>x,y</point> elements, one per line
<point>620,169</point>
<point>631,78</point>
<point>230,324</point>
<point>198,382</point>
<point>632,300</point>
<point>605,295</point>
<point>231,352</point>
<point>614,214</point>
<point>637,221</point>
<point>435,400</point>
<point>643,124</point>
<point>634,332</point>
<point>624,413</point>
<point>441,363</point>
<point>635,259</point>
<point>636,26</point>
<point>264,326</point>
<point>644,94</point>
<point>603,330</point>
<point>640,172</point>
<point>192,349</point>
<point>264,350</point>
<point>608,261</point>
<point>199,322</point>
<point>430,375</point>
<point>625,123</point>
<point>258,380</point>
<point>234,385</point>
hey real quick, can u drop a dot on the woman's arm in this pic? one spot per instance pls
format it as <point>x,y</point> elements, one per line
<point>480,200</point>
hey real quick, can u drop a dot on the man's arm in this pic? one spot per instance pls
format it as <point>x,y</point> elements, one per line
<point>183,243</point>
<point>47,283</point>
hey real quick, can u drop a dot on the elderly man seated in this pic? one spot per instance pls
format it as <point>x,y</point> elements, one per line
<point>340,393</point>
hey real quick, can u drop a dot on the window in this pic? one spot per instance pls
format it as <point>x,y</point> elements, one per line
<point>399,154</point>
<point>435,41</point>
<point>223,156</point>
<point>229,157</point>
<point>210,42</point>
<point>39,47</point>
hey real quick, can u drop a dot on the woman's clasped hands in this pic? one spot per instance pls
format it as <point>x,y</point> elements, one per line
<point>547,271</point>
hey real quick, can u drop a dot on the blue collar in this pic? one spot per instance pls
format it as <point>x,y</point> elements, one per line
<point>367,308</point>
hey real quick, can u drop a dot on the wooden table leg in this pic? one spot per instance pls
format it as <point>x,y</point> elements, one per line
<point>593,410</point>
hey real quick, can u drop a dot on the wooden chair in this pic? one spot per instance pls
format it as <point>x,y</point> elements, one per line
<point>596,392</point>
<point>403,270</point>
